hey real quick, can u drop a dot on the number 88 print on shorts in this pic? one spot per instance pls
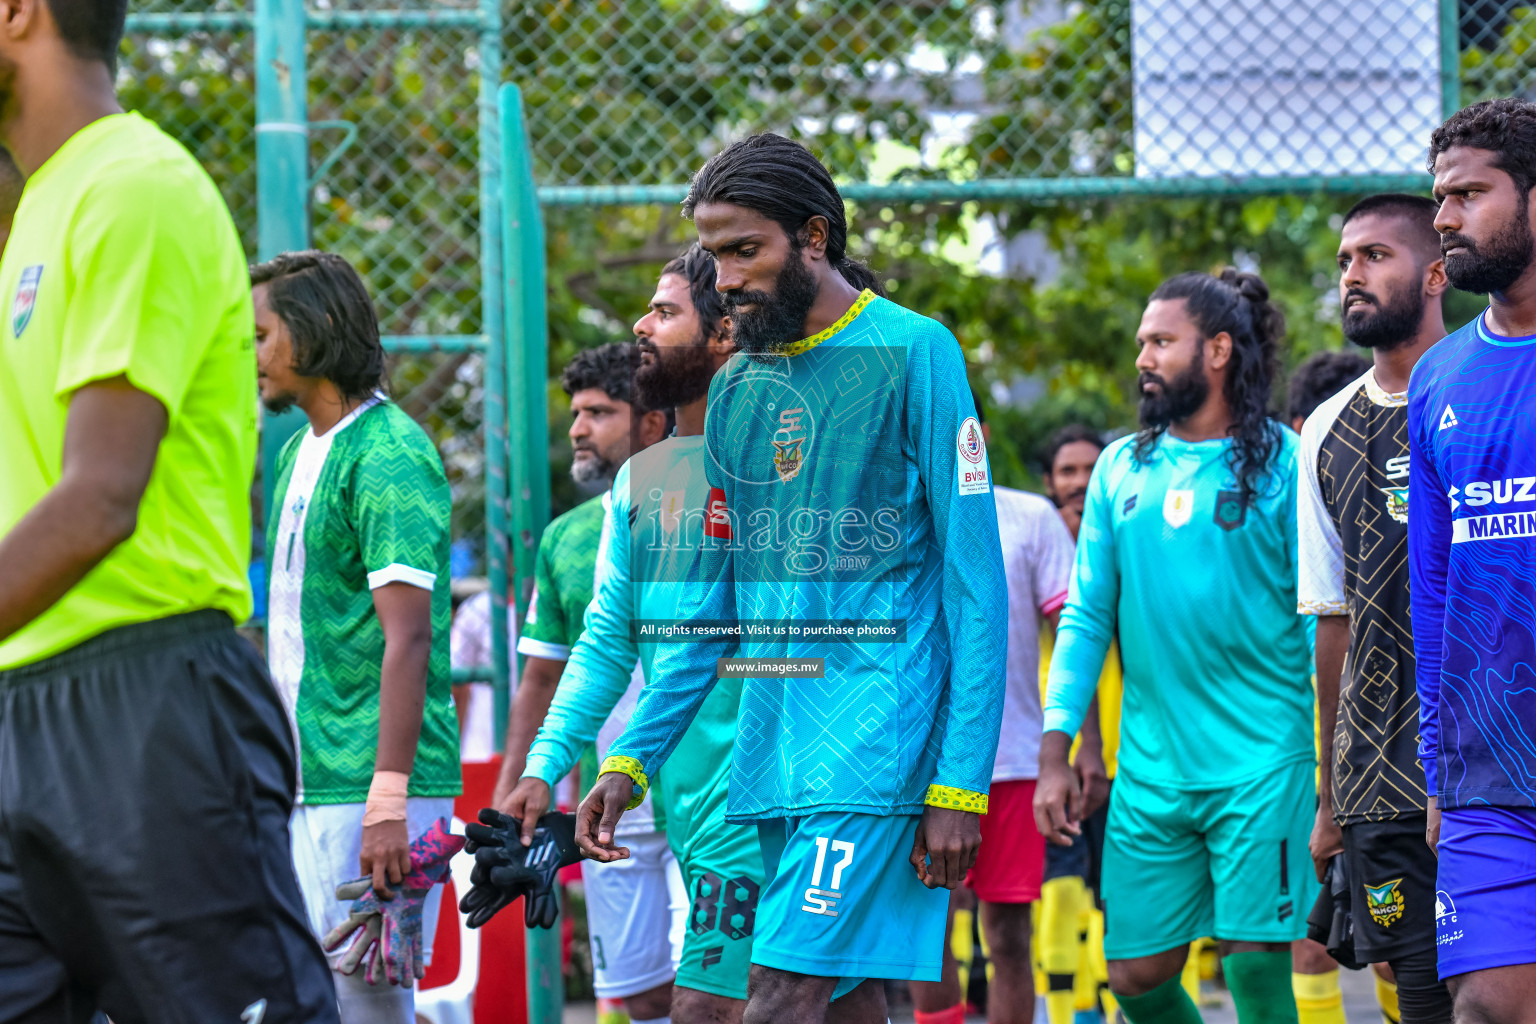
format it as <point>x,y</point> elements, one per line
<point>724,890</point>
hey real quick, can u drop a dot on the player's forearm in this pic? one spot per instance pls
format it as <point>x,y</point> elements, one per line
<point>111,439</point>
<point>1332,651</point>
<point>530,705</point>
<point>55,545</point>
<point>402,698</point>
<point>1076,663</point>
<point>591,686</point>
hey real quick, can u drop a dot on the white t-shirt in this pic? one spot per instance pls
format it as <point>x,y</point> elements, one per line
<point>1037,560</point>
<point>470,647</point>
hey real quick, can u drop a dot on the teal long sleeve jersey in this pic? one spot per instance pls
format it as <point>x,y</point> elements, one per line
<point>1201,588</point>
<point>653,532</point>
<point>849,491</point>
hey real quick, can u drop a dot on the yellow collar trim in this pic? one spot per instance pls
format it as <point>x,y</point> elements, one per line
<point>805,345</point>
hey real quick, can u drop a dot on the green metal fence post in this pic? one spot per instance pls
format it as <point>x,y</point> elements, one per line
<point>282,172</point>
<point>495,380</point>
<point>1450,57</point>
<point>527,358</point>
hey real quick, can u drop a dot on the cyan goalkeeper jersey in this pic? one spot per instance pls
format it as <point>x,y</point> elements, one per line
<point>1472,577</point>
<point>655,528</point>
<point>1200,587</point>
<point>851,520</point>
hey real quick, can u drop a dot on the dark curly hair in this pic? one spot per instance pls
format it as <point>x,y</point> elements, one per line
<point>325,306</point>
<point>91,29</point>
<point>609,368</point>
<point>1505,126</point>
<point>1072,433</point>
<point>1237,303</point>
<point>697,268</point>
<point>780,179</point>
<point>1319,378</point>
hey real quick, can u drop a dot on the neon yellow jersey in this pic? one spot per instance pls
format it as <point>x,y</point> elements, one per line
<point>1110,689</point>
<point>123,261</point>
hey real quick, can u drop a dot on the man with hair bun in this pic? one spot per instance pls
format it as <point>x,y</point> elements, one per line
<point>1187,553</point>
<point>1472,446</point>
<point>848,485</point>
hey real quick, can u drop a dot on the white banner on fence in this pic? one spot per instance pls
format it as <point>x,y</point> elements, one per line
<point>1284,87</point>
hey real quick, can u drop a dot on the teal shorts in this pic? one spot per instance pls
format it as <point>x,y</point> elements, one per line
<point>722,867</point>
<point>843,901</point>
<point>1231,864</point>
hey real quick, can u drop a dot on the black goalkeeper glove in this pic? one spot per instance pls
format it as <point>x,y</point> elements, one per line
<point>506,869</point>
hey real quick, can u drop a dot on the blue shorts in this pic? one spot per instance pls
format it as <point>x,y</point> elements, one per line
<point>843,902</point>
<point>1485,906</point>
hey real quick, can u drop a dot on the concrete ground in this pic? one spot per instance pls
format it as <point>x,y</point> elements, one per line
<point>1358,987</point>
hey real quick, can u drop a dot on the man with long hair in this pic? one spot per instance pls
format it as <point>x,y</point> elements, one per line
<point>660,500</point>
<point>855,537</point>
<point>1472,587</point>
<point>1188,553</point>
<point>357,628</point>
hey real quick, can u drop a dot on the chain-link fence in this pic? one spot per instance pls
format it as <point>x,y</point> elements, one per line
<point>918,99</point>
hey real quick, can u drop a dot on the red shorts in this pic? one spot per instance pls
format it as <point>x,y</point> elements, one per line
<point>1012,858</point>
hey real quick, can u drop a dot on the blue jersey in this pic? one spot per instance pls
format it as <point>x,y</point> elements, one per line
<point>653,531</point>
<point>1472,565</point>
<point>1200,586</point>
<point>853,521</point>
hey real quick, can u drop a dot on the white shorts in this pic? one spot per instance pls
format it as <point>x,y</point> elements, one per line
<point>636,912</point>
<point>327,840</point>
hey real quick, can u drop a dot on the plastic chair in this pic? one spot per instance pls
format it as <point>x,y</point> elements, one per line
<point>454,1003</point>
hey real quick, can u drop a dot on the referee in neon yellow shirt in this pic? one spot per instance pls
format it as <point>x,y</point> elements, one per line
<point>146,768</point>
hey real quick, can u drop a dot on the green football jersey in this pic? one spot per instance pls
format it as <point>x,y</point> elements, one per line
<point>364,505</point>
<point>564,576</point>
<point>563,582</point>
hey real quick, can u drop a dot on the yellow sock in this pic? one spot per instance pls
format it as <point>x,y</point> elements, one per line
<point>1190,979</point>
<point>611,1011</point>
<point>1056,944</point>
<point>1386,996</point>
<point>1318,999</point>
<point>962,944</point>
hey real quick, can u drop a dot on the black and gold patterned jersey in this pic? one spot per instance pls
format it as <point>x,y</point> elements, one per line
<point>1353,522</point>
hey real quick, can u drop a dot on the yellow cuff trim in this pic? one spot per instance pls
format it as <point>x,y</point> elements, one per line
<point>956,799</point>
<point>628,766</point>
<point>806,344</point>
<point>1321,608</point>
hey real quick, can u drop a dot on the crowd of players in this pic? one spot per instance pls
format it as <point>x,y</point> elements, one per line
<point>799,626</point>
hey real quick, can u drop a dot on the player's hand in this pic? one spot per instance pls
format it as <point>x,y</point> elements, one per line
<point>945,846</point>
<point>1432,825</point>
<point>527,803</point>
<point>1058,792</point>
<point>1092,777</point>
<point>386,856</point>
<point>599,814</point>
<point>1326,843</point>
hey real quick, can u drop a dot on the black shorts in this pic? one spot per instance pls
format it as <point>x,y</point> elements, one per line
<point>146,778</point>
<point>1085,856</point>
<point>1391,873</point>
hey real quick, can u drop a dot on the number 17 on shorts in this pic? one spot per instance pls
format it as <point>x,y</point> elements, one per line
<point>825,901</point>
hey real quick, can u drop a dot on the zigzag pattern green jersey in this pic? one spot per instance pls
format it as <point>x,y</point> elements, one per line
<point>362,506</point>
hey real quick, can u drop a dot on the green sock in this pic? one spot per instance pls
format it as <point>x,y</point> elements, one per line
<point>1166,1004</point>
<point>1260,984</point>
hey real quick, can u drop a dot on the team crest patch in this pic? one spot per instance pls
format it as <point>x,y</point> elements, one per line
<point>1385,901</point>
<point>1177,507</point>
<point>1397,503</point>
<point>971,467</point>
<point>26,298</point>
<point>1231,509</point>
<point>789,445</point>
